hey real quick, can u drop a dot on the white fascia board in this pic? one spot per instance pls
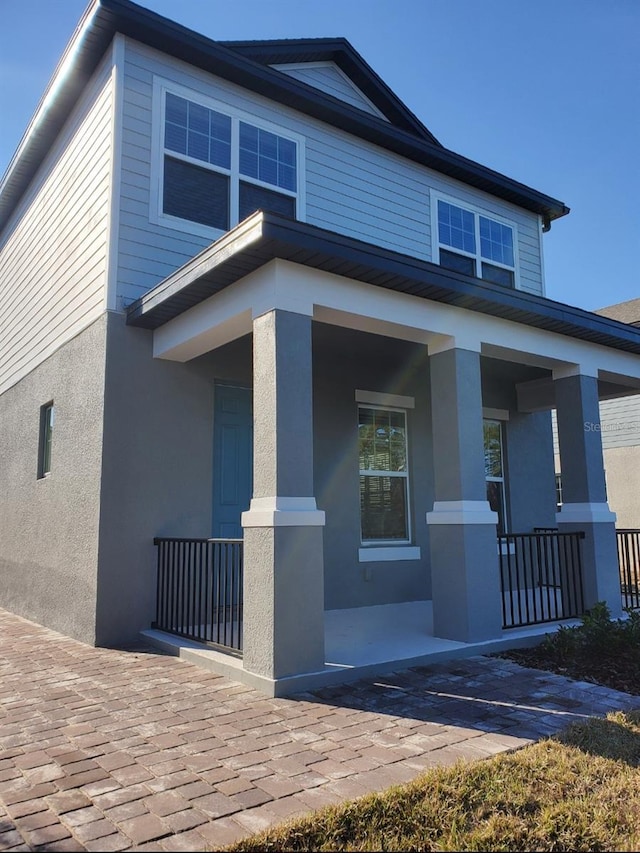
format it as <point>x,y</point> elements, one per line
<point>353,304</point>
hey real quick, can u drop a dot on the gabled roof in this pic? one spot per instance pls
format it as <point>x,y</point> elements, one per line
<point>103,19</point>
<point>347,58</point>
<point>263,237</point>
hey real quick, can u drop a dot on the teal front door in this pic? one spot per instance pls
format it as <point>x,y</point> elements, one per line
<point>232,459</point>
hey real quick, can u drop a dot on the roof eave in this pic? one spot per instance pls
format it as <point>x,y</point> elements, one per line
<point>266,236</point>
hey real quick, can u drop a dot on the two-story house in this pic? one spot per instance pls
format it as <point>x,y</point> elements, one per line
<point>245,294</point>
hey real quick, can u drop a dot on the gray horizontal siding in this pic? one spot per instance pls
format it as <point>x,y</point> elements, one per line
<point>352,187</point>
<point>329,79</point>
<point>53,255</point>
<point>619,423</point>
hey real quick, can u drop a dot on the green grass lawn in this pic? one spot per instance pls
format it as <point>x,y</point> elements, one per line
<point>577,791</point>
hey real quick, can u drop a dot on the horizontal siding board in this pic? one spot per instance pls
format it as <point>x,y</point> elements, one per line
<point>352,186</point>
<point>65,316</point>
<point>620,422</point>
<point>50,305</point>
<point>54,249</point>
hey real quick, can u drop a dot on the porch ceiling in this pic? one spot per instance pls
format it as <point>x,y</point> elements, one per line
<point>264,237</point>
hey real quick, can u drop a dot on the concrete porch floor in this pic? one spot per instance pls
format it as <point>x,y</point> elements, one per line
<point>360,641</point>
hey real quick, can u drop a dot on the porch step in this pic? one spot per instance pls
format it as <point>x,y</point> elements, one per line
<point>360,642</point>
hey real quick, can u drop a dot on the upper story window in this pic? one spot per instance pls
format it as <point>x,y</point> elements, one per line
<point>216,165</point>
<point>475,244</point>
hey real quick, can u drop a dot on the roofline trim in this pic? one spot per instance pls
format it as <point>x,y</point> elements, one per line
<point>265,236</point>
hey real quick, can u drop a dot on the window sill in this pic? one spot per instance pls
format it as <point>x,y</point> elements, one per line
<point>388,554</point>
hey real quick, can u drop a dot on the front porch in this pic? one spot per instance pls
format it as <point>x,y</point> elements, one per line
<point>200,614</point>
<point>394,437</point>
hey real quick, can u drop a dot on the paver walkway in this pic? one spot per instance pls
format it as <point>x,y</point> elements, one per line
<point>111,750</point>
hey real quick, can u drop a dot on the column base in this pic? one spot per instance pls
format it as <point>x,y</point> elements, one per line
<point>283,512</point>
<point>462,512</point>
<point>585,513</point>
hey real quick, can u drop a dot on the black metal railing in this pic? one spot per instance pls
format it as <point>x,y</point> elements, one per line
<point>541,577</point>
<point>629,564</point>
<point>199,593</point>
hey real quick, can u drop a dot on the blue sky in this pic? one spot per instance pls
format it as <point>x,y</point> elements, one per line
<point>546,92</point>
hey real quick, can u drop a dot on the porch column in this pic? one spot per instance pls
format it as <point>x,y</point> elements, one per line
<point>283,560</point>
<point>462,528</point>
<point>585,504</point>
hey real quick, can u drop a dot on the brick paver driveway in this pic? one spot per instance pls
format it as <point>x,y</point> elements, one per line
<point>111,750</point>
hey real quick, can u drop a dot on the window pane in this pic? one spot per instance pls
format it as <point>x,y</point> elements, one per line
<point>248,137</point>
<point>496,241</point>
<point>254,198</point>
<point>492,449</point>
<point>199,195</point>
<point>220,153</point>
<point>459,263</point>
<point>176,109</point>
<point>248,163</point>
<point>497,275</point>
<point>198,118</point>
<point>286,152</point>
<point>198,146</point>
<point>268,170</point>
<point>383,508</point>
<point>456,227</point>
<point>287,177</point>
<point>268,157</point>
<point>197,131</point>
<point>382,440</point>
<point>175,138</point>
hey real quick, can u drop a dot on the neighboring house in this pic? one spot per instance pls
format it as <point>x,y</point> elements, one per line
<point>356,381</point>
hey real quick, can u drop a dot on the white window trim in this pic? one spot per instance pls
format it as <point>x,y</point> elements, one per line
<point>156,214</point>
<point>477,211</point>
<point>388,554</point>
<point>386,544</point>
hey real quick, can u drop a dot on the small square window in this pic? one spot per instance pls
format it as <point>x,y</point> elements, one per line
<point>47,419</point>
